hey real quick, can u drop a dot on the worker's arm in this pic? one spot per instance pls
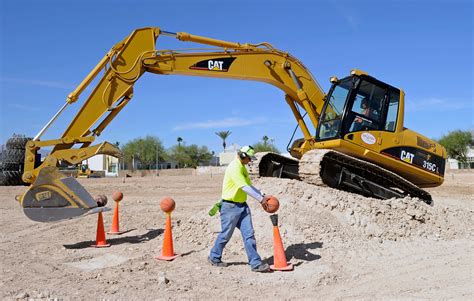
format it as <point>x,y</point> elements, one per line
<point>239,176</point>
<point>256,194</point>
<point>253,192</point>
<point>240,181</point>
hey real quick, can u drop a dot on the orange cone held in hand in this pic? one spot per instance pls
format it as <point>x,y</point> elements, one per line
<point>279,257</point>
<point>100,241</point>
<point>167,253</point>
<point>117,196</point>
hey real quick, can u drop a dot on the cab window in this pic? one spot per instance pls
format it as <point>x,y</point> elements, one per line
<point>392,111</point>
<point>331,120</point>
<point>367,107</point>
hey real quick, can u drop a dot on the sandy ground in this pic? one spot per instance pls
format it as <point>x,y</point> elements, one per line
<point>343,246</point>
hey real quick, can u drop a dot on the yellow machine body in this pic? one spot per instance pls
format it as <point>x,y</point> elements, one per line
<point>127,61</point>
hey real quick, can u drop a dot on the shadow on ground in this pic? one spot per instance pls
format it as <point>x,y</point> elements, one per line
<point>192,251</point>
<point>301,252</point>
<point>151,234</point>
<point>237,263</point>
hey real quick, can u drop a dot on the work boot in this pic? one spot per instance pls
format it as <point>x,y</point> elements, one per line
<point>262,268</point>
<point>217,263</point>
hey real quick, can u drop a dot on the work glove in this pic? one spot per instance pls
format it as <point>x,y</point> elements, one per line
<point>264,202</point>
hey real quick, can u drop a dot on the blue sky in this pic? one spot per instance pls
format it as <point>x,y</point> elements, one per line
<point>48,47</point>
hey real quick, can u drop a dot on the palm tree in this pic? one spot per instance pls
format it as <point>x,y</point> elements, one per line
<point>223,135</point>
<point>265,139</point>
<point>179,141</point>
<point>117,144</point>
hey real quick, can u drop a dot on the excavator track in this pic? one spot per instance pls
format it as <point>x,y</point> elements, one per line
<point>340,171</point>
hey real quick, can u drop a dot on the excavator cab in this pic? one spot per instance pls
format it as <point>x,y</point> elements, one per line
<point>358,103</point>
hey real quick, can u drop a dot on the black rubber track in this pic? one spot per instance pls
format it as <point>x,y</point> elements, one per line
<point>11,178</point>
<point>372,173</point>
<point>13,156</point>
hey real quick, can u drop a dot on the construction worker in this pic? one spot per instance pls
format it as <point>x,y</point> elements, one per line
<point>235,212</point>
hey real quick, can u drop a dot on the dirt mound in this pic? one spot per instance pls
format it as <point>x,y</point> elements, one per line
<point>312,213</point>
<point>355,216</point>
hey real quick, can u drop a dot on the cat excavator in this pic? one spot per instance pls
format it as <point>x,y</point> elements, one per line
<point>356,140</point>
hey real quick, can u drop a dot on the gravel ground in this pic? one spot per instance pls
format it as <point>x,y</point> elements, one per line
<point>343,246</point>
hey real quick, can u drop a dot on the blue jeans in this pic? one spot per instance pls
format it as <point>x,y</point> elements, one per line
<point>236,215</point>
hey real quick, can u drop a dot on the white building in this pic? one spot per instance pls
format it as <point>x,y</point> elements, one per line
<point>106,163</point>
<point>229,154</point>
<point>455,164</point>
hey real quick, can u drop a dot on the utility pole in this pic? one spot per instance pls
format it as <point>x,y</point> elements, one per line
<point>157,159</point>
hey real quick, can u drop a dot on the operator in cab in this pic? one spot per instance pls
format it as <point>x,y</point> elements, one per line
<point>235,212</point>
<point>367,111</point>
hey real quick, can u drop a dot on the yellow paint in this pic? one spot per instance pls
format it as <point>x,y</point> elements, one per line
<point>129,59</point>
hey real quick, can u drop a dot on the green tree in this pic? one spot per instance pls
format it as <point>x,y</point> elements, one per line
<point>190,156</point>
<point>456,144</point>
<point>198,154</point>
<point>177,154</point>
<point>265,146</point>
<point>120,159</point>
<point>223,135</point>
<point>145,151</point>
<point>179,141</point>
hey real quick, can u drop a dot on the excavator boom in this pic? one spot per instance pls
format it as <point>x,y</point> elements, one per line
<point>128,60</point>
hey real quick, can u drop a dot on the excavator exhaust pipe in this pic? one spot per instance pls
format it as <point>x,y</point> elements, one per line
<point>54,197</point>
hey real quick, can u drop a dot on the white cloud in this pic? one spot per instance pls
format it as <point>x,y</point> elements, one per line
<point>436,104</point>
<point>39,83</point>
<point>23,107</point>
<point>346,13</point>
<point>220,123</point>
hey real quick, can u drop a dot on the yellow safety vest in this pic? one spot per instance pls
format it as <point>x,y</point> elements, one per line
<point>236,176</point>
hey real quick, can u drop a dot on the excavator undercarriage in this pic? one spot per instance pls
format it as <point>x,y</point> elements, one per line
<point>339,171</point>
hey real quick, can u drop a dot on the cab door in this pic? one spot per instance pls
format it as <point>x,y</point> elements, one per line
<point>366,115</point>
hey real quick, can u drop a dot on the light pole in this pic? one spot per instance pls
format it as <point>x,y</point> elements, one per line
<point>157,159</point>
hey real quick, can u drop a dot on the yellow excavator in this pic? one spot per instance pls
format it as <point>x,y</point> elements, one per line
<point>357,141</point>
<point>83,171</point>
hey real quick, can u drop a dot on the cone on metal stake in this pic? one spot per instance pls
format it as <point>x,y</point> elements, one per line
<point>279,257</point>
<point>114,230</point>
<point>100,241</point>
<point>167,253</point>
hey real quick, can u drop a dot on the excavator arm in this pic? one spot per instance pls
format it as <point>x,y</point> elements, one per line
<point>52,196</point>
<point>128,60</point>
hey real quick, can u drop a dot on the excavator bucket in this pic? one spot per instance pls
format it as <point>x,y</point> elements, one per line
<point>54,196</point>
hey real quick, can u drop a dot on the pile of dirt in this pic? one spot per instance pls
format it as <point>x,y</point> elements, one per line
<point>356,216</point>
<point>311,213</point>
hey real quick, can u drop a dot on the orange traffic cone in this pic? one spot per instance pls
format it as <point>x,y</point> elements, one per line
<point>167,253</point>
<point>114,230</point>
<point>100,241</point>
<point>279,257</point>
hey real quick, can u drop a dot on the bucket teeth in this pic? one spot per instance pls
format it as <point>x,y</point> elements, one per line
<point>54,197</point>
